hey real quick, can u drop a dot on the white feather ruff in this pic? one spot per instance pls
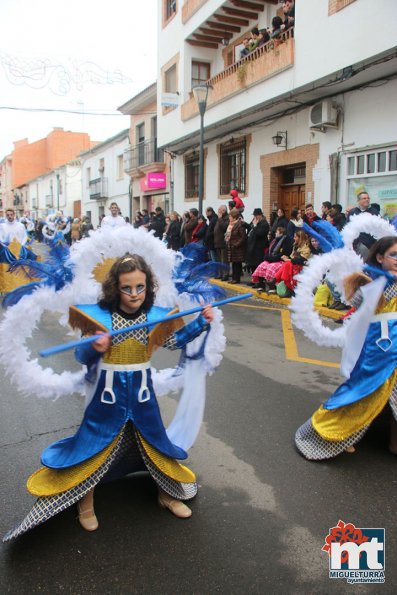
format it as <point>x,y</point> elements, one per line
<point>366,223</point>
<point>338,264</point>
<point>27,373</point>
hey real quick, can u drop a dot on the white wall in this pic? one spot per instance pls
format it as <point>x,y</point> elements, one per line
<point>369,118</point>
<point>323,45</point>
<point>69,191</point>
<point>117,187</point>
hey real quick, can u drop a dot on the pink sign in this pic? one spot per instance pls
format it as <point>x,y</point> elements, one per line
<point>153,181</point>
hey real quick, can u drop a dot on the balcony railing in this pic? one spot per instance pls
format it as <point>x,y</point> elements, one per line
<point>144,153</point>
<point>98,188</point>
<point>264,62</point>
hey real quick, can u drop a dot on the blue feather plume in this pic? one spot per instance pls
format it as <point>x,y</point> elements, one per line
<point>329,232</point>
<point>55,271</point>
<point>191,274</point>
<point>13,297</point>
<point>324,244</point>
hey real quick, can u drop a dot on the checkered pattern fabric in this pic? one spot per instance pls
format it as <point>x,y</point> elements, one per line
<point>119,322</point>
<point>170,343</point>
<point>313,447</point>
<point>391,291</point>
<point>127,457</point>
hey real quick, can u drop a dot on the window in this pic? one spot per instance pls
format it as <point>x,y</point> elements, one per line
<point>191,175</point>
<point>200,72</point>
<point>170,8</point>
<point>170,80</point>
<point>360,164</point>
<point>88,176</point>
<point>101,167</point>
<point>393,161</point>
<point>140,137</point>
<point>381,161</point>
<point>233,166</point>
<point>371,163</point>
<point>120,167</point>
<point>375,172</point>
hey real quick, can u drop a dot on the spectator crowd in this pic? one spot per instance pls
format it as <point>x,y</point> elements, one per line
<point>271,252</point>
<point>260,37</point>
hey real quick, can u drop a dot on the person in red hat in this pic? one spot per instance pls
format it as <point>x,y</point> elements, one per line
<point>238,202</point>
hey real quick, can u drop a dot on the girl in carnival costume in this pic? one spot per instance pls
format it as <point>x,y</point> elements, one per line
<point>122,430</point>
<point>368,362</point>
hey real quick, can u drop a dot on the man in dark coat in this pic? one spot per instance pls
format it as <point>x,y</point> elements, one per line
<point>257,240</point>
<point>209,236</point>
<point>158,222</point>
<point>219,239</point>
<point>364,240</point>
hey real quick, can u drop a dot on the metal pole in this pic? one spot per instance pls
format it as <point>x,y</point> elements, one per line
<point>201,161</point>
<point>57,191</point>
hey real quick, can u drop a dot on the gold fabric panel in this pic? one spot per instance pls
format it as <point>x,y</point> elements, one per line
<point>387,306</point>
<point>100,271</point>
<point>49,482</point>
<point>161,332</point>
<point>168,466</point>
<point>129,351</point>
<point>338,424</point>
<point>15,248</point>
<point>84,322</point>
<point>10,281</point>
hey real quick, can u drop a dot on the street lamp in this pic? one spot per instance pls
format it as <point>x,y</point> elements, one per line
<point>200,93</point>
<point>57,175</point>
<point>280,139</point>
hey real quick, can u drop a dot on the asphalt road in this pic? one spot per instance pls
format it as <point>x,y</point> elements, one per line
<point>262,512</point>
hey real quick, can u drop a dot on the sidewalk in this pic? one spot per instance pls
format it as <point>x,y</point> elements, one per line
<point>274,298</point>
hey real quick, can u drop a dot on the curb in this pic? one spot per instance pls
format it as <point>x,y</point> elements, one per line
<point>266,297</point>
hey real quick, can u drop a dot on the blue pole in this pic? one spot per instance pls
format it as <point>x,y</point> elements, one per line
<point>72,344</point>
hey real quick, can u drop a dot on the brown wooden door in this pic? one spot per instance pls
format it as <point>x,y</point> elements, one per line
<point>293,196</point>
<point>77,208</point>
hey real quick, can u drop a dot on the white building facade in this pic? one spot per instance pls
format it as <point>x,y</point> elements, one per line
<point>104,180</point>
<point>58,190</point>
<point>324,91</point>
<point>150,168</point>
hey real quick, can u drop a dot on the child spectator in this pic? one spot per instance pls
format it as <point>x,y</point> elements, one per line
<point>198,234</point>
<point>266,271</point>
<point>295,223</point>
<point>292,265</point>
<point>276,29</point>
<point>310,215</point>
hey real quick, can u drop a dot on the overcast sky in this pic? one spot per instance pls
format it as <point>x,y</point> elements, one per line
<point>81,55</point>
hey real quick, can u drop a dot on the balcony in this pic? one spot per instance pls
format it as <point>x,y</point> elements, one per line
<point>99,189</point>
<point>229,19</point>
<point>49,200</point>
<point>143,158</point>
<point>261,64</point>
<point>190,8</point>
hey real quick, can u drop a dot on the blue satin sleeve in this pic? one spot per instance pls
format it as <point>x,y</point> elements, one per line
<point>190,331</point>
<point>87,355</point>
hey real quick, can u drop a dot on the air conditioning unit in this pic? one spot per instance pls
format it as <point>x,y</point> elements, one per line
<point>323,114</point>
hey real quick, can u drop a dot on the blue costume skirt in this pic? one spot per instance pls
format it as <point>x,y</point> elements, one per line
<point>128,456</point>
